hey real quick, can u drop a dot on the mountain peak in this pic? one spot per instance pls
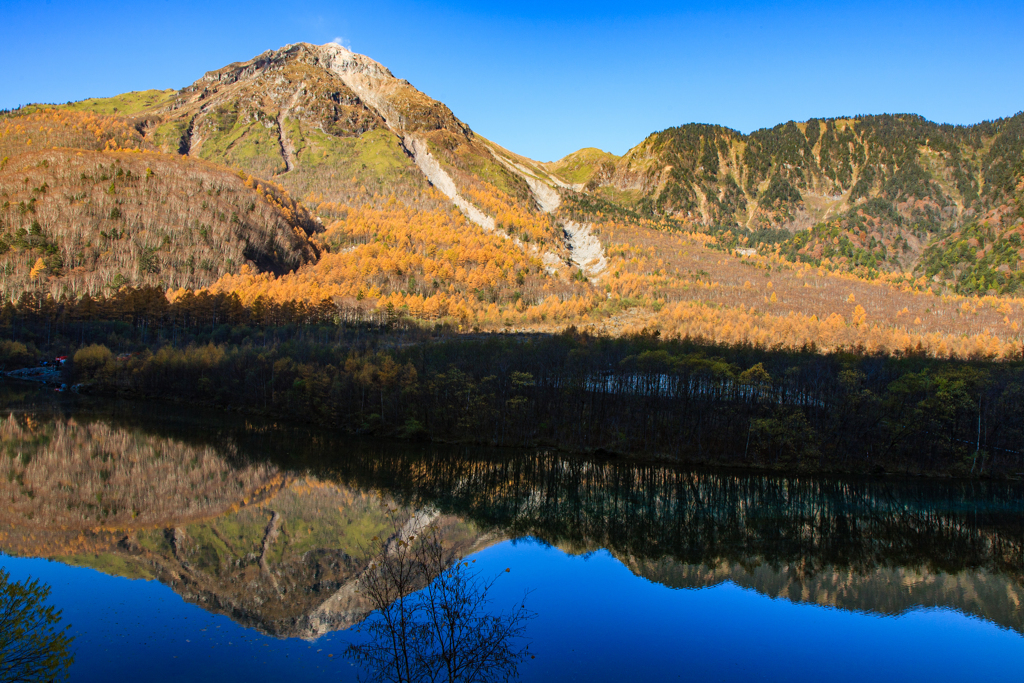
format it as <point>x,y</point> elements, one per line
<point>402,107</point>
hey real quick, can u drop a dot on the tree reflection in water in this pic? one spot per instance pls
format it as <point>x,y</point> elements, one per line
<point>432,620</point>
<point>33,646</point>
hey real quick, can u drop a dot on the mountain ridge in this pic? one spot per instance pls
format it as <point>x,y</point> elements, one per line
<point>413,210</point>
<point>917,180</point>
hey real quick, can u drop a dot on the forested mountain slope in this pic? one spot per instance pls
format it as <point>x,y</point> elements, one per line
<point>983,255</point>
<point>420,211</point>
<point>868,194</point>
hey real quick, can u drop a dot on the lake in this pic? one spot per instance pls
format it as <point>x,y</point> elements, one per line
<point>186,545</point>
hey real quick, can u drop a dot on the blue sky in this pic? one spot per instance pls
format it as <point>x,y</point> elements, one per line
<point>547,78</point>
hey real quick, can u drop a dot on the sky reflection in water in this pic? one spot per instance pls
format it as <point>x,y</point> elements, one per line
<point>596,622</point>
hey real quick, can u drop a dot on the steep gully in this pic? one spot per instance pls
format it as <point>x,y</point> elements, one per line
<point>287,146</point>
<point>273,529</point>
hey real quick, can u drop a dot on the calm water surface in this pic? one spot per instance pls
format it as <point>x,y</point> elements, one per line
<point>185,546</point>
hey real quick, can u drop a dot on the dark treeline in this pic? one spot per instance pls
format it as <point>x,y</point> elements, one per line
<point>682,399</point>
<point>136,318</point>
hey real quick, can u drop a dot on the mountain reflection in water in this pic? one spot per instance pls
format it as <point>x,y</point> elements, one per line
<point>273,526</point>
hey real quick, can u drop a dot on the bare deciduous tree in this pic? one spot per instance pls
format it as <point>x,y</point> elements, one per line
<point>432,619</point>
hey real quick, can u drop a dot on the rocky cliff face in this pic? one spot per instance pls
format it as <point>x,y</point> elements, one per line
<point>404,108</point>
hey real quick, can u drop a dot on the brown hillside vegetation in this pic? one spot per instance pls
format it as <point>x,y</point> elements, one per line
<point>78,476</point>
<point>694,222</point>
<point>679,283</point>
<point>76,222</point>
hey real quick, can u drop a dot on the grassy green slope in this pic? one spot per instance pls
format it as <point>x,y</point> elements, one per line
<point>579,167</point>
<point>126,104</point>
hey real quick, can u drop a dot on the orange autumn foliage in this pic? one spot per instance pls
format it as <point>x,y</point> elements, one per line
<point>426,264</point>
<point>41,128</point>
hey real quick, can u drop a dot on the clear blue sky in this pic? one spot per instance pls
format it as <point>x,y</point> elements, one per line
<point>547,78</point>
